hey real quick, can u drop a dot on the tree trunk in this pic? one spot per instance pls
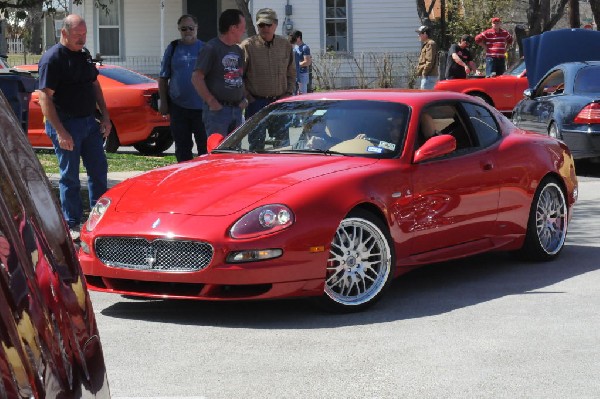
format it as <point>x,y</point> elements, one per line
<point>243,7</point>
<point>36,19</point>
<point>595,6</point>
<point>574,20</point>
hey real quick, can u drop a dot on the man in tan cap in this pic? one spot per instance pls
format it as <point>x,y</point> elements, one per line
<point>270,72</point>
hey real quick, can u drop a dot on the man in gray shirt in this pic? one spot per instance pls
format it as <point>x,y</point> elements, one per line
<point>218,75</point>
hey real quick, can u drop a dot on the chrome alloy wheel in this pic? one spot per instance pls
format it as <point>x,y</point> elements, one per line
<point>551,218</point>
<point>359,262</point>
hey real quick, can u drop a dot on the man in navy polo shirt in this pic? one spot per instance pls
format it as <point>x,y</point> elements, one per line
<point>69,93</point>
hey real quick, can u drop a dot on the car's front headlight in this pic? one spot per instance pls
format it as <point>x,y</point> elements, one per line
<point>97,212</point>
<point>263,220</point>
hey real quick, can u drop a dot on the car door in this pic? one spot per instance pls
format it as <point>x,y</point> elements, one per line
<point>455,197</point>
<point>537,111</point>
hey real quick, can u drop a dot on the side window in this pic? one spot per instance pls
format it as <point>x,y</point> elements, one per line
<point>484,124</point>
<point>336,25</point>
<point>443,119</point>
<point>552,84</point>
<point>109,29</point>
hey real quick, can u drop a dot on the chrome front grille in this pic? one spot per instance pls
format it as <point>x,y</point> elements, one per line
<point>157,255</point>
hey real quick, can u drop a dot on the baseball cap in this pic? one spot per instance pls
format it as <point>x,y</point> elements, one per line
<point>467,38</point>
<point>496,20</point>
<point>422,29</point>
<point>266,16</point>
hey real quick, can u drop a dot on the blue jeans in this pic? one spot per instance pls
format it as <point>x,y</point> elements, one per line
<point>223,121</point>
<point>88,146</point>
<point>185,123</point>
<point>427,82</point>
<point>302,80</point>
<point>495,64</point>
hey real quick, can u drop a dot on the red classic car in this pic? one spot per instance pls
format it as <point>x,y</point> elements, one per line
<point>502,92</point>
<point>132,102</point>
<point>331,195</point>
<point>49,341</point>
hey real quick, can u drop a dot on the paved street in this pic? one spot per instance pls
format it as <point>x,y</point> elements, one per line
<point>487,327</point>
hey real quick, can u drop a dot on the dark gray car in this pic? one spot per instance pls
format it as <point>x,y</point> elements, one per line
<point>565,104</point>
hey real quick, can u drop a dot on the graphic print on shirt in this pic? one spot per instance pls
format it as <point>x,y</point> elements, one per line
<point>233,73</point>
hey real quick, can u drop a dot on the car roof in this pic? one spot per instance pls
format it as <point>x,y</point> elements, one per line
<point>406,96</point>
<point>541,52</point>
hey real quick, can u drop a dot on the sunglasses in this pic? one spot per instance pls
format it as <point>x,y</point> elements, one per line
<point>263,25</point>
<point>186,28</point>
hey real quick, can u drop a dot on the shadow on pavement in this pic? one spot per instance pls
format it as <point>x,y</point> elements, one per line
<point>431,290</point>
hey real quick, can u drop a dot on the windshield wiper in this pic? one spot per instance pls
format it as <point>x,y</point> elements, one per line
<point>230,150</point>
<point>317,151</point>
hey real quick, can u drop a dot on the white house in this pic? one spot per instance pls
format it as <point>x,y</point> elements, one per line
<point>136,32</point>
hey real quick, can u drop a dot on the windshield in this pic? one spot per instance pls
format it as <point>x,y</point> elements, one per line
<point>588,80</point>
<point>125,76</point>
<point>517,69</point>
<point>349,127</point>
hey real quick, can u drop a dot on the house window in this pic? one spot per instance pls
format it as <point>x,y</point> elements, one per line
<point>336,25</point>
<point>109,29</point>
<point>58,24</point>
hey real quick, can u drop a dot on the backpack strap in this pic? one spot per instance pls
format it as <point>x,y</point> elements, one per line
<point>174,44</point>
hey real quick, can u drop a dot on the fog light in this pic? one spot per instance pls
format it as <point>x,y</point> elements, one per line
<point>253,255</point>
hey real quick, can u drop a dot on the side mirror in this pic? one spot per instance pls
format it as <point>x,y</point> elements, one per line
<point>213,141</point>
<point>435,147</point>
<point>528,93</point>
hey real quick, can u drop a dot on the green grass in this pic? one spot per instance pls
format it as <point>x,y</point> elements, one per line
<point>116,162</point>
<point>21,59</point>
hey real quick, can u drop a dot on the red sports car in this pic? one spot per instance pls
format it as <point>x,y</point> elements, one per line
<point>132,102</point>
<point>502,92</point>
<point>331,195</point>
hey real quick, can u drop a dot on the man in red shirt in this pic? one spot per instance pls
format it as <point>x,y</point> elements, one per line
<point>495,41</point>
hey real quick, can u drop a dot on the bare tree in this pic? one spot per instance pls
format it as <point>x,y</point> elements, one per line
<point>574,20</point>
<point>424,12</point>
<point>595,6</point>
<point>543,15</point>
<point>35,16</point>
<point>243,7</point>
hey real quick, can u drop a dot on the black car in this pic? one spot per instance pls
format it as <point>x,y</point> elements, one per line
<point>49,342</point>
<point>565,104</point>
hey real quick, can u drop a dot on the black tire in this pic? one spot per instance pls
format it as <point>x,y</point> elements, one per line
<point>547,224</point>
<point>361,264</point>
<point>158,142</point>
<point>112,143</point>
<point>483,96</point>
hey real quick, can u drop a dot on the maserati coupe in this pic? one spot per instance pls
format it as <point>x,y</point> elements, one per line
<point>331,196</point>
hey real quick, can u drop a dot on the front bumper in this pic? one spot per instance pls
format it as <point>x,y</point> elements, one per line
<point>300,271</point>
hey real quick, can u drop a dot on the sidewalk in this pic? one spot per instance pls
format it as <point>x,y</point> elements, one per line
<point>113,178</point>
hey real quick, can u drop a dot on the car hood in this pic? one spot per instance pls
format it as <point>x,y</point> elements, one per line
<point>222,184</point>
<point>541,52</point>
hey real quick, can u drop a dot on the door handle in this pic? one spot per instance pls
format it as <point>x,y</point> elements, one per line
<point>487,165</point>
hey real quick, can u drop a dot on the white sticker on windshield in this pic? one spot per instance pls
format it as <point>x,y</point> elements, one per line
<point>387,146</point>
<point>374,149</point>
<point>319,112</point>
